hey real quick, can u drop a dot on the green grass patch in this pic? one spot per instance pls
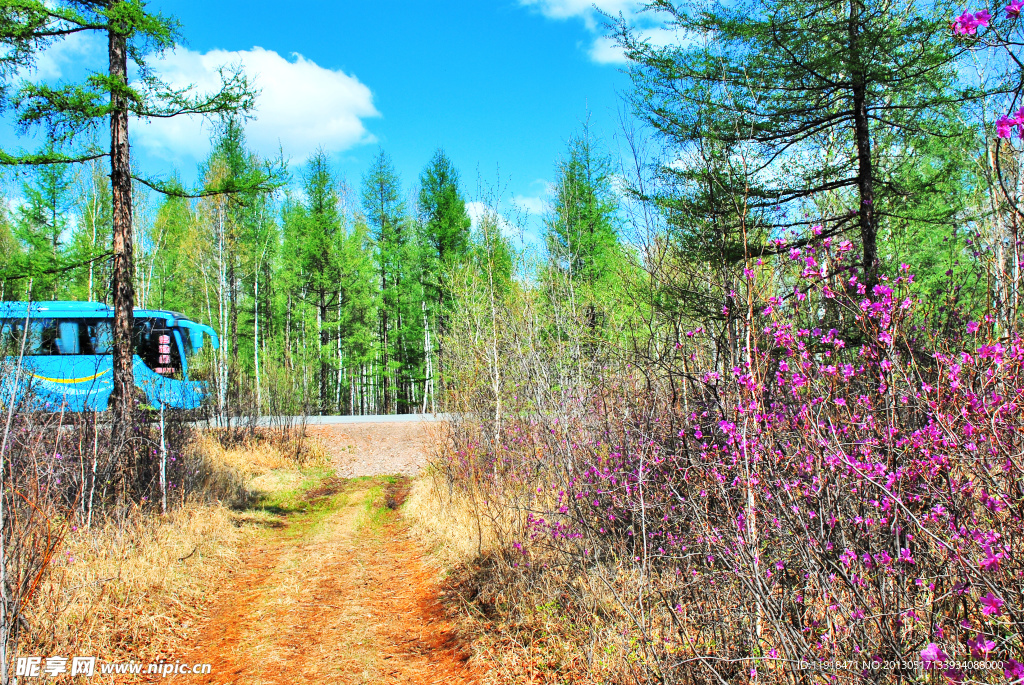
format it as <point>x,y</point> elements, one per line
<point>300,500</point>
<point>291,499</point>
<point>376,511</point>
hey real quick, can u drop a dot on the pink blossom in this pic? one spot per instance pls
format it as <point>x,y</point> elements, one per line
<point>981,645</point>
<point>932,653</point>
<point>991,561</point>
<point>1014,8</point>
<point>967,24</point>
<point>1013,670</point>
<point>1004,126</point>
<point>992,605</point>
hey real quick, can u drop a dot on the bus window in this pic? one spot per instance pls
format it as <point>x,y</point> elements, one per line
<point>8,347</point>
<point>100,336</point>
<point>46,337</point>
<point>186,341</point>
<point>42,337</point>
<point>67,338</point>
<point>200,366</point>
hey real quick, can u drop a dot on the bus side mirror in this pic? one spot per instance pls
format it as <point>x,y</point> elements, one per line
<point>196,333</point>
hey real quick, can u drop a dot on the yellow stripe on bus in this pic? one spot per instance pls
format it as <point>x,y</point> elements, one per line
<point>68,380</point>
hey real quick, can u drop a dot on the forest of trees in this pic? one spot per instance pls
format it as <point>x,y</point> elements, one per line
<point>327,298</point>
<point>334,297</point>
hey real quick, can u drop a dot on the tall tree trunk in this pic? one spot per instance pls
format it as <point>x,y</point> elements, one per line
<point>122,277</point>
<point>865,173</point>
<point>341,366</point>
<point>92,211</point>
<point>233,371</point>
<point>288,333</point>
<point>384,351</point>
<point>321,324</point>
<point>222,316</point>
<point>256,338</point>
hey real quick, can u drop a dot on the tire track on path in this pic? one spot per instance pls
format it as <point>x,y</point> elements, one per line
<point>343,596</point>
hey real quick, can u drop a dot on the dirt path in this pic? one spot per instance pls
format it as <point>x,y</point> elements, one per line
<point>338,594</point>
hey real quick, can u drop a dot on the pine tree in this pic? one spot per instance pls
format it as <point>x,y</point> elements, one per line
<point>319,258</point>
<point>797,113</point>
<point>445,226</point>
<point>42,225</point>
<point>389,230</point>
<point>169,236</point>
<point>357,313</point>
<point>67,111</point>
<point>10,273</point>
<point>582,231</point>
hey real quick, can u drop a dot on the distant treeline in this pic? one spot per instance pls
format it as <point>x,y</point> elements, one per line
<point>326,299</point>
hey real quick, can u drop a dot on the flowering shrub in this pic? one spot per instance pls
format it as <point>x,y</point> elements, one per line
<point>967,24</point>
<point>841,500</point>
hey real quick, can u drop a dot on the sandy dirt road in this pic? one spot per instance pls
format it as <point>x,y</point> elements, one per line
<point>339,592</point>
<point>378,448</point>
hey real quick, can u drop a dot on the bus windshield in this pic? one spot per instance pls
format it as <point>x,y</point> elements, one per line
<point>156,345</point>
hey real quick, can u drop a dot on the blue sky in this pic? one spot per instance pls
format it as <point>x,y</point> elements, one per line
<point>500,85</point>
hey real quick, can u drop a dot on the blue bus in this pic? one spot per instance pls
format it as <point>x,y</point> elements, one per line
<point>68,361</point>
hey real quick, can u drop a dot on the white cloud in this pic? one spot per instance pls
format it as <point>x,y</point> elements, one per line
<point>583,9</point>
<point>603,49</point>
<point>524,231</point>
<point>64,55</point>
<point>536,206</point>
<point>481,211</point>
<point>301,105</point>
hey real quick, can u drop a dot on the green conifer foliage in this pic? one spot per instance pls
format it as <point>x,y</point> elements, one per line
<point>781,115</point>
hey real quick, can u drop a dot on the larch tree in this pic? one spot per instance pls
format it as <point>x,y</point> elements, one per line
<point>68,112</point>
<point>319,259</point>
<point>386,218</point>
<point>814,112</point>
<point>234,180</point>
<point>445,238</point>
<point>12,250</point>
<point>42,221</point>
<point>582,230</point>
<point>445,225</point>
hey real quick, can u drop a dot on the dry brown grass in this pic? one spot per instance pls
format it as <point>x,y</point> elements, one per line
<point>446,521</point>
<point>520,622</point>
<point>132,588</point>
<point>262,453</point>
